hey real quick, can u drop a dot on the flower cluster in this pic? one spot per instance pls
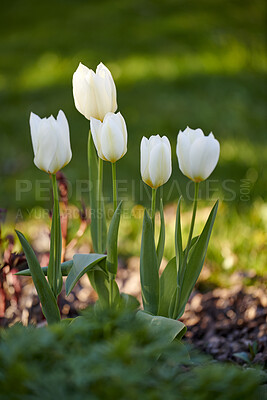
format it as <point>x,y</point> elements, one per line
<point>95,97</point>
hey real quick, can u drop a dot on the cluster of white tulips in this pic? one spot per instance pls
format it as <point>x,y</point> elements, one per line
<point>164,297</point>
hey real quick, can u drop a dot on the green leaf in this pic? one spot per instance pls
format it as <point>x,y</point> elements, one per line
<point>174,303</point>
<point>161,242</point>
<point>82,263</point>
<point>101,285</point>
<point>112,240</point>
<point>95,213</point>
<point>178,241</point>
<point>173,329</point>
<point>130,302</point>
<point>46,296</point>
<point>196,260</point>
<point>167,286</point>
<point>65,269</point>
<point>149,268</point>
<point>243,356</point>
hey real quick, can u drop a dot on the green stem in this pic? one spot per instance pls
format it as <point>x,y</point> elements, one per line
<point>191,229</point>
<point>114,186</point>
<point>153,207</point>
<point>99,200</point>
<point>56,242</point>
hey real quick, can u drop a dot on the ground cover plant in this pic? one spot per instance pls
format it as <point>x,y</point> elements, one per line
<point>111,354</point>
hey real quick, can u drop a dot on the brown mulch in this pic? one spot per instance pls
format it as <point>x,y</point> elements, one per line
<point>221,322</point>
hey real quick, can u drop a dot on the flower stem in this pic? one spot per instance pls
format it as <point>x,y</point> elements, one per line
<point>114,186</point>
<point>56,242</point>
<point>191,229</point>
<point>99,200</point>
<point>153,207</point>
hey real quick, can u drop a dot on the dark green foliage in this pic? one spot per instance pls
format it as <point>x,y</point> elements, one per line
<point>111,355</point>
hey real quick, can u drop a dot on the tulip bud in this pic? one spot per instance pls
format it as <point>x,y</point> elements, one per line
<point>156,165</point>
<point>197,154</point>
<point>94,92</point>
<point>110,137</point>
<point>51,142</point>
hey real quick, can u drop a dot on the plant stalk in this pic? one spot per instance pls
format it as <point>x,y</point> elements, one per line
<point>114,186</point>
<point>56,242</point>
<point>153,207</point>
<point>191,230</point>
<point>99,200</point>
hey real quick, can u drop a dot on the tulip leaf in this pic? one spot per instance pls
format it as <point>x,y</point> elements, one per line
<point>130,302</point>
<point>196,260</point>
<point>65,269</point>
<point>178,241</point>
<point>174,303</point>
<point>149,268</point>
<point>101,284</point>
<point>161,241</point>
<point>82,263</point>
<point>173,329</point>
<point>46,296</point>
<point>167,286</point>
<point>112,240</point>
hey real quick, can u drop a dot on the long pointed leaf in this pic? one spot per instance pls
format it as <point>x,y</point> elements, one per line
<point>167,286</point>
<point>101,285</point>
<point>82,263</point>
<point>178,241</point>
<point>161,242</point>
<point>196,260</point>
<point>65,269</point>
<point>46,296</point>
<point>112,240</point>
<point>149,268</point>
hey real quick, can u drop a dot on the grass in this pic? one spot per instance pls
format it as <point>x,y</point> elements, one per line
<point>175,63</point>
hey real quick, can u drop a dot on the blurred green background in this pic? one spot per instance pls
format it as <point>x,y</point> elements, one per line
<point>200,63</point>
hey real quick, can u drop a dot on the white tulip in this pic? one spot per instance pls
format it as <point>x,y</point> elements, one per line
<point>51,142</point>
<point>197,154</point>
<point>94,92</point>
<point>156,165</point>
<point>110,137</point>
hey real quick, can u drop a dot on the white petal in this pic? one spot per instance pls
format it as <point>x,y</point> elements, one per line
<point>193,134</point>
<point>81,90</point>
<point>34,126</point>
<point>112,140</point>
<point>204,156</point>
<point>183,152</point>
<point>47,146</point>
<point>110,87</point>
<point>159,165</point>
<point>96,127</point>
<point>144,159</point>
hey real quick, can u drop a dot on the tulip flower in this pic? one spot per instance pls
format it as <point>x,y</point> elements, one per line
<point>156,166</point>
<point>197,154</point>
<point>110,137</point>
<point>94,92</point>
<point>51,142</point>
